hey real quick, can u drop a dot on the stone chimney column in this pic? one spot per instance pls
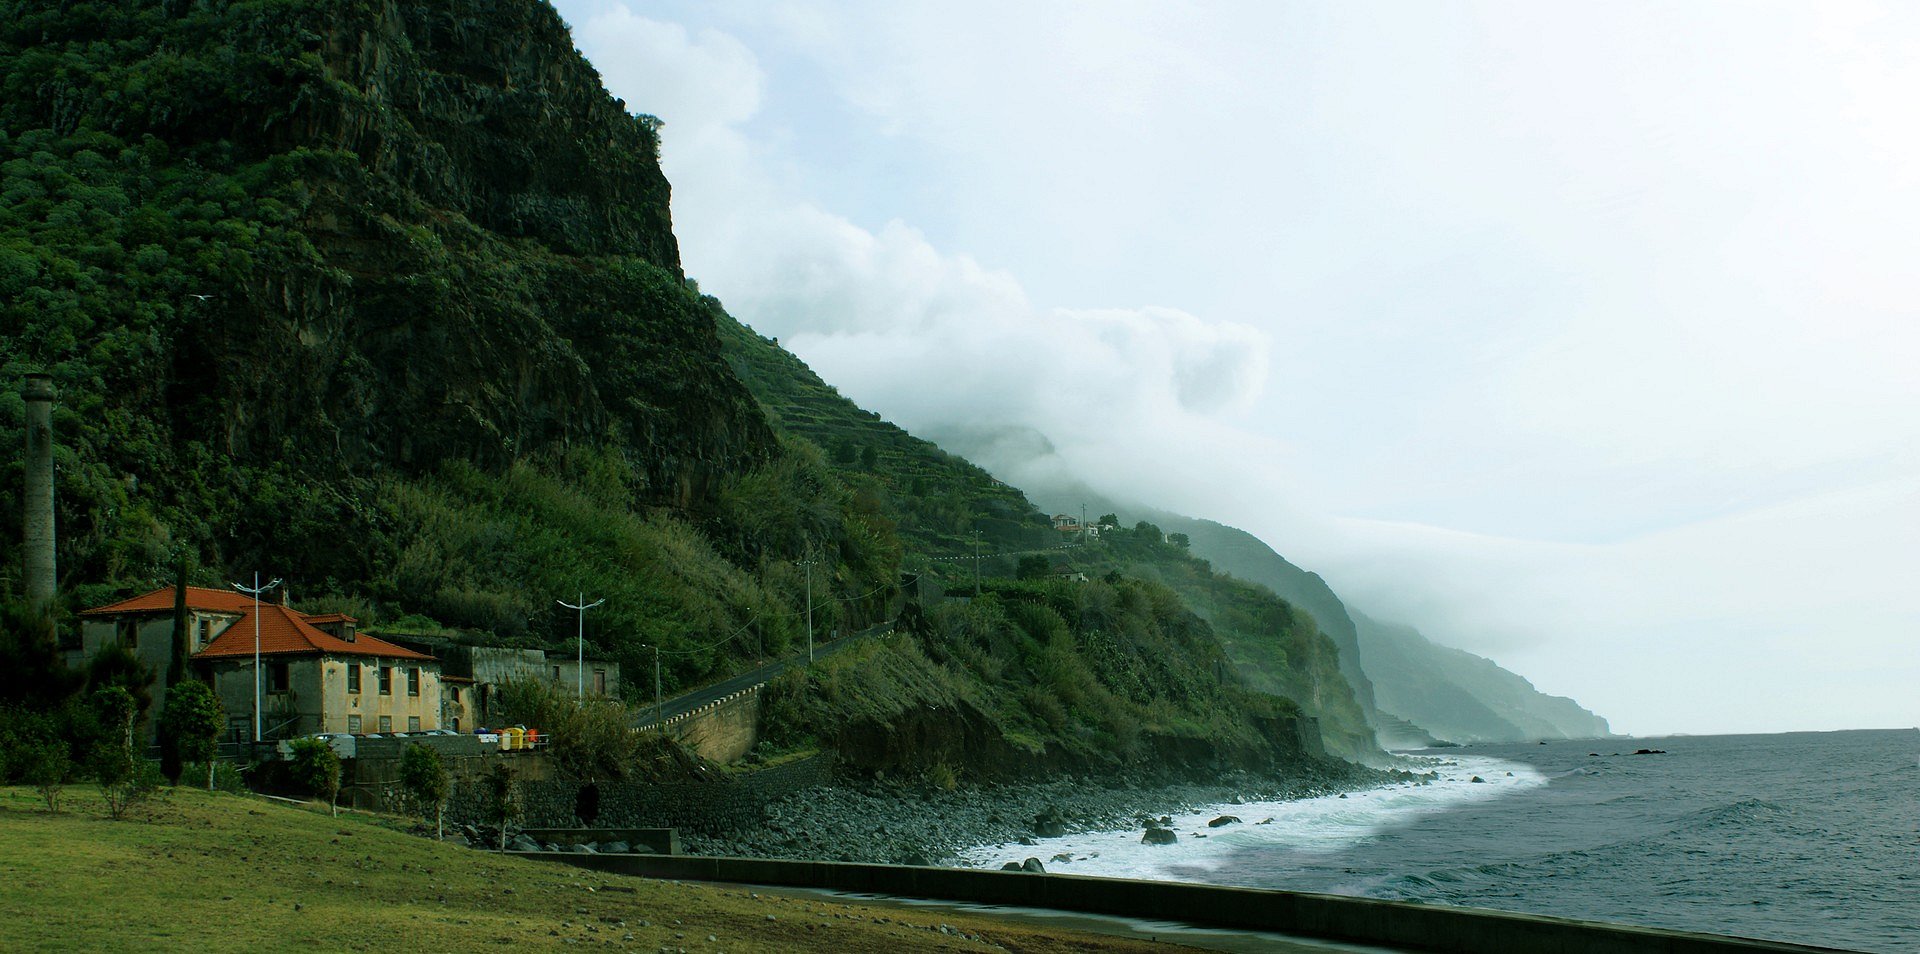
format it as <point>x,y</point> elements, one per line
<point>37,554</point>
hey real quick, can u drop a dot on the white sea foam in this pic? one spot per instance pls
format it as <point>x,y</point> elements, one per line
<point>1311,825</point>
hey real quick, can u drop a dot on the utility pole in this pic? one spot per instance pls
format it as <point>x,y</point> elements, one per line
<point>254,591</point>
<point>808,563</point>
<point>580,662</point>
<point>1083,524</point>
<point>976,563</point>
<point>656,691</point>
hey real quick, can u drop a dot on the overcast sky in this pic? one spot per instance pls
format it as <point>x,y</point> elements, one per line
<point>1582,337</point>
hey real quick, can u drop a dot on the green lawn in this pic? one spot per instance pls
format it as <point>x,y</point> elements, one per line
<point>226,872</point>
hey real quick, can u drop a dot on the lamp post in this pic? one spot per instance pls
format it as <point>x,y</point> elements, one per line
<point>580,662</point>
<point>254,591</point>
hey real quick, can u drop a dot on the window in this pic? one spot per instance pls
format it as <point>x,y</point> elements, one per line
<point>599,682</point>
<point>206,632</point>
<point>456,723</point>
<point>279,677</point>
<point>556,674</point>
<point>386,723</point>
<point>353,722</point>
<point>413,681</point>
<point>353,678</point>
<point>386,680</point>
<point>413,723</point>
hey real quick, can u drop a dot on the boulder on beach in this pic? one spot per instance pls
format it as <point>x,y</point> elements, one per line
<point>1476,778</point>
<point>1033,865</point>
<point>1050,823</point>
<point>1012,866</point>
<point>1224,820</point>
<point>615,848</point>
<point>1062,859</point>
<point>1159,836</point>
<point>1265,821</point>
<point>580,849</point>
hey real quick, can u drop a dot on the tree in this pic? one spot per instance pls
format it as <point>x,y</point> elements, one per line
<point>116,665</point>
<point>591,739</point>
<point>316,767</point>
<point>190,726</point>
<point>182,621</point>
<point>1108,520</point>
<point>423,773</point>
<point>170,756</point>
<point>1032,568</point>
<point>1179,540</point>
<point>32,674</point>
<point>111,758</point>
<point>44,765</point>
<point>502,806</point>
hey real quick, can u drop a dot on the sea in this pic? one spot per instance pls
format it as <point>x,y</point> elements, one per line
<point>1810,837</point>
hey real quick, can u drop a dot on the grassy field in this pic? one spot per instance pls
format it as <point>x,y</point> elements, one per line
<point>227,872</point>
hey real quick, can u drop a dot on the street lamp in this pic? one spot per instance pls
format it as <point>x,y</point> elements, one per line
<point>580,664</point>
<point>254,591</point>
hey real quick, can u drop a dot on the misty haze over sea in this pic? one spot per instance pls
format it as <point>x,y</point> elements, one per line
<point>1804,837</point>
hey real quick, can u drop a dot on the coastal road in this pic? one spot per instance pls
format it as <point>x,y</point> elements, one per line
<point>683,704</point>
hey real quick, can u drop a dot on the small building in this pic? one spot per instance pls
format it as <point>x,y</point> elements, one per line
<point>316,673</point>
<point>478,672</point>
<point>1062,570</point>
<point>459,703</point>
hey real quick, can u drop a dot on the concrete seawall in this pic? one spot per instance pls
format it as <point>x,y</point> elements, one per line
<point>1392,924</point>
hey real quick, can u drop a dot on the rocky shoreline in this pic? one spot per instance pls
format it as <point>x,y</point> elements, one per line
<point>881,822</point>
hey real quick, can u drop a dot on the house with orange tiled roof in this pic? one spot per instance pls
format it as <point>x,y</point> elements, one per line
<point>317,672</point>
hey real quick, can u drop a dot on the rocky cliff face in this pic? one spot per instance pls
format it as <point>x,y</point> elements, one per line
<point>485,110</point>
<point>373,236</point>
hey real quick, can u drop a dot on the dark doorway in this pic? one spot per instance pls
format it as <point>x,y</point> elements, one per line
<point>586,804</point>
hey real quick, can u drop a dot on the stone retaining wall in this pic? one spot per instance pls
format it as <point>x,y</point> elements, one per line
<point>707,807</point>
<point>723,730</point>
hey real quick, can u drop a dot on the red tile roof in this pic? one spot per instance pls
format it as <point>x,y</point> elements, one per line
<point>331,618</point>
<point>283,631</point>
<point>161,600</point>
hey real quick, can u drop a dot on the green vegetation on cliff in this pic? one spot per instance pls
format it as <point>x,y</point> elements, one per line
<point>1257,640</point>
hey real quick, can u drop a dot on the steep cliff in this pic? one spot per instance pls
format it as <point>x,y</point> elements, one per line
<point>273,250</point>
<point>1414,683</point>
<point>1463,697</point>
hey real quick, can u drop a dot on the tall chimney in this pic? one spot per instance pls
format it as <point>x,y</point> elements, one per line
<point>38,520</point>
